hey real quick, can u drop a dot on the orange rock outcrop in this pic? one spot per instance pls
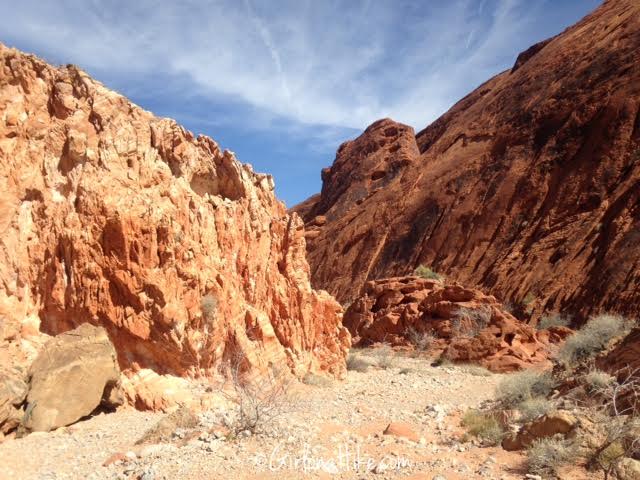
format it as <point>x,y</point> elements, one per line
<point>112,216</point>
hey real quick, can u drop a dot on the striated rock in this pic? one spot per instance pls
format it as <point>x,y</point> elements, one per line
<point>624,358</point>
<point>112,216</point>
<point>466,324</point>
<point>73,374</point>
<point>13,392</point>
<point>527,188</point>
<point>543,427</point>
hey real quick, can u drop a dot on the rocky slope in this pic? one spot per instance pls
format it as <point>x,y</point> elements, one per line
<point>112,216</point>
<point>528,187</point>
<point>466,325</point>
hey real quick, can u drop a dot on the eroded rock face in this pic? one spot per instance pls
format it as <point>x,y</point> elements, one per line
<point>112,216</point>
<point>73,374</point>
<point>527,188</point>
<point>465,324</point>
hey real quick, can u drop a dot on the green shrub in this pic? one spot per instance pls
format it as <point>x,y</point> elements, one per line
<point>356,363</point>
<point>533,408</point>
<point>518,387</point>
<point>591,339</point>
<point>426,272</point>
<point>597,380</point>
<point>553,320</point>
<point>483,426</point>
<point>547,455</point>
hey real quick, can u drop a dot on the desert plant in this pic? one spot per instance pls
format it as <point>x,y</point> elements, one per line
<point>553,320</point>
<point>356,363</point>
<point>316,380</point>
<point>533,408</point>
<point>518,387</point>
<point>426,272</point>
<point>209,306</point>
<point>591,339</point>
<point>470,321</point>
<point>483,426</point>
<point>421,340</point>
<point>477,371</point>
<point>545,456</point>
<point>259,399</point>
<point>596,380</point>
<point>384,356</point>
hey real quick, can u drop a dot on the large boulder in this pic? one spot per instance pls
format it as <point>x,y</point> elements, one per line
<point>13,391</point>
<point>70,378</point>
<point>544,427</point>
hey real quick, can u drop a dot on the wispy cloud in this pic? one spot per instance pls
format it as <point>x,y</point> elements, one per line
<point>330,63</point>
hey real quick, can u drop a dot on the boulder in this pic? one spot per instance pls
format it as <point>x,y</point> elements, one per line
<point>543,427</point>
<point>628,469</point>
<point>70,378</point>
<point>13,391</point>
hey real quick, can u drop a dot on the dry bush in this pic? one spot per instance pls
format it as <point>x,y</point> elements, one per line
<point>384,356</point>
<point>477,371</point>
<point>470,321</point>
<point>426,272</point>
<point>259,399</point>
<point>597,380</point>
<point>533,408</point>
<point>317,380</point>
<point>421,340</point>
<point>553,320</point>
<point>209,306</point>
<point>521,386</point>
<point>545,456</point>
<point>591,339</point>
<point>483,426</point>
<point>356,363</point>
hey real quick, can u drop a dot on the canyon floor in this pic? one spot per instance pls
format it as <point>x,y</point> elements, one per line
<point>327,428</point>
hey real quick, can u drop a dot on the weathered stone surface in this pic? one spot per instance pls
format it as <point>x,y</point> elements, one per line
<point>628,469</point>
<point>527,188</point>
<point>543,427</point>
<point>69,378</point>
<point>112,216</point>
<point>466,325</point>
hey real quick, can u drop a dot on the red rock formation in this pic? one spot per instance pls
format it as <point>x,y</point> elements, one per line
<point>527,188</point>
<point>468,325</point>
<point>112,216</point>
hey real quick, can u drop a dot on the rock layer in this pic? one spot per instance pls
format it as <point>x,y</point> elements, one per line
<point>527,188</point>
<point>112,216</point>
<point>467,325</point>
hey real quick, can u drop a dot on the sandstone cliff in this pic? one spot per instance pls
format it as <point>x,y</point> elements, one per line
<point>528,188</point>
<point>112,216</point>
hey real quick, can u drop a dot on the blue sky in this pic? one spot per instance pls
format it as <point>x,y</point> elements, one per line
<point>283,83</point>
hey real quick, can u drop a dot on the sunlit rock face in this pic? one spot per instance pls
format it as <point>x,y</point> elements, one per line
<point>527,188</point>
<point>112,216</point>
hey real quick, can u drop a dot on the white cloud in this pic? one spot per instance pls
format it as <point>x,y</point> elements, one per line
<point>331,63</point>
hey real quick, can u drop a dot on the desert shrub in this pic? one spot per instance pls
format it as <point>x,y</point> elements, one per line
<point>477,371</point>
<point>610,456</point>
<point>259,400</point>
<point>592,338</point>
<point>470,321</point>
<point>553,320</point>
<point>518,387</point>
<point>533,408</point>
<point>597,380</point>
<point>421,340</point>
<point>356,363</point>
<point>316,380</point>
<point>209,306</point>
<point>545,456</point>
<point>426,272</point>
<point>384,356</point>
<point>483,426</point>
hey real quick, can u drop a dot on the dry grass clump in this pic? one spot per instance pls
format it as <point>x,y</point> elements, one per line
<point>470,321</point>
<point>422,341</point>
<point>545,456</point>
<point>426,272</point>
<point>483,426</point>
<point>553,320</point>
<point>533,408</point>
<point>525,385</point>
<point>355,363</point>
<point>384,356</point>
<point>597,380</point>
<point>591,339</point>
